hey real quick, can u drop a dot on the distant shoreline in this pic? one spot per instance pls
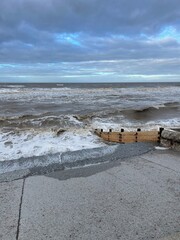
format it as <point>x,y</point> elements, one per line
<point>87,84</point>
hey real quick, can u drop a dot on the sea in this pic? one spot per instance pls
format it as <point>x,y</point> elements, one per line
<point>46,118</point>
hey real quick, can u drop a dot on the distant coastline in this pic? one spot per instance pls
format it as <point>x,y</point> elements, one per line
<point>88,85</point>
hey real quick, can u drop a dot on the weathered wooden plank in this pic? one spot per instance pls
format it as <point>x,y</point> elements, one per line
<point>109,136</point>
<point>115,138</point>
<point>149,136</point>
<point>105,136</point>
<point>148,133</point>
<point>128,140</point>
<point>122,137</point>
<point>129,134</point>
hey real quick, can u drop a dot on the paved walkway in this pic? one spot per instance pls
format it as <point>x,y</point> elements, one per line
<point>132,199</point>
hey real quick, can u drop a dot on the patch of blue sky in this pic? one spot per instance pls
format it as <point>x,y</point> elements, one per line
<point>169,32</point>
<point>7,65</point>
<point>71,38</point>
<point>165,33</point>
<point>105,73</point>
<point>120,36</point>
<point>143,35</point>
<point>29,45</point>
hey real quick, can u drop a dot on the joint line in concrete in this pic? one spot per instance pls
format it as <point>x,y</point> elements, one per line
<point>20,207</point>
<point>143,158</point>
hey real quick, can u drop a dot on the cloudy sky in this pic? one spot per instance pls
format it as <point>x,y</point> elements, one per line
<point>89,40</point>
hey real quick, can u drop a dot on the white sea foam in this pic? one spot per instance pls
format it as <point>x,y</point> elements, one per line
<point>15,86</point>
<point>157,96</point>
<point>129,125</point>
<point>161,148</point>
<point>32,143</point>
<point>175,122</point>
<point>158,106</point>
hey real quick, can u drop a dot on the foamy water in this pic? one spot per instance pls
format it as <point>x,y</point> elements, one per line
<point>15,145</point>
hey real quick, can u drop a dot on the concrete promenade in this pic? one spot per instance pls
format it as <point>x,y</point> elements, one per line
<point>136,198</point>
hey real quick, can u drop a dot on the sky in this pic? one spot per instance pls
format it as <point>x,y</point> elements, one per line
<point>89,40</point>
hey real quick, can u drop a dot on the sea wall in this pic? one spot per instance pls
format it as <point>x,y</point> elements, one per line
<point>23,167</point>
<point>171,138</point>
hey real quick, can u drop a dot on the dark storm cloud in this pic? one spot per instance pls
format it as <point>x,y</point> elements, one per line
<point>56,31</point>
<point>100,17</point>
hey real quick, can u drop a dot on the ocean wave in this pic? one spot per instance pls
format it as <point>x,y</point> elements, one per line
<point>17,144</point>
<point>131,125</point>
<point>101,114</point>
<point>15,86</point>
<point>167,105</point>
<point>172,104</point>
<point>39,121</point>
<point>167,110</point>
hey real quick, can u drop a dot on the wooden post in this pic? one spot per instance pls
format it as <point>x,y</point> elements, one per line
<point>101,132</point>
<point>136,136</point>
<point>120,137</point>
<point>138,130</point>
<point>109,134</point>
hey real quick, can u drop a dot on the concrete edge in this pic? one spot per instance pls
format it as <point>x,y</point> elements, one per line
<point>24,167</point>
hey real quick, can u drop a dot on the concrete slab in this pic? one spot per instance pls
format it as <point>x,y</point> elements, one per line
<point>175,236</point>
<point>135,200</point>
<point>10,195</point>
<point>14,175</point>
<point>167,158</point>
<point>152,193</point>
<point>151,172</point>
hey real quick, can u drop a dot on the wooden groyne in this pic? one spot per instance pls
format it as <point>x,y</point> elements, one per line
<point>130,137</point>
